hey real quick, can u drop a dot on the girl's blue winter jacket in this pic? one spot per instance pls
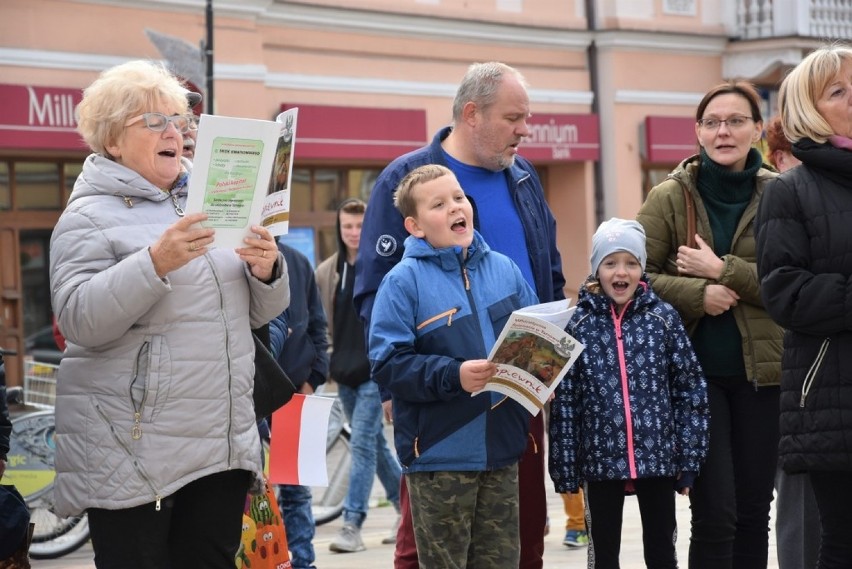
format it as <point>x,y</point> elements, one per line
<point>634,405</point>
<point>433,311</point>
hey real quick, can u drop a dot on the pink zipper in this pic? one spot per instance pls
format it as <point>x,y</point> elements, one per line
<point>625,392</point>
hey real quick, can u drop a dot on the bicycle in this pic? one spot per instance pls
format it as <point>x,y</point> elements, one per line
<point>327,502</point>
<point>31,466</point>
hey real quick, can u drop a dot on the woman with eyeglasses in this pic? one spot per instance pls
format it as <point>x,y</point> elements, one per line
<point>805,264</point>
<point>707,271</point>
<point>155,425</point>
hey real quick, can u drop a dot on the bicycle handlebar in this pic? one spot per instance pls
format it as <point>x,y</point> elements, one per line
<point>15,395</point>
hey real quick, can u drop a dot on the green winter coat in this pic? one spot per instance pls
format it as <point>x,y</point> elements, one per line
<point>663,215</point>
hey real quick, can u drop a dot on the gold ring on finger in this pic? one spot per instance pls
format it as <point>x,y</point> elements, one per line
<point>193,246</point>
<point>263,254</point>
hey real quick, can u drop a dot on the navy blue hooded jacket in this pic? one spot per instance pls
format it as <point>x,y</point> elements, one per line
<point>304,356</point>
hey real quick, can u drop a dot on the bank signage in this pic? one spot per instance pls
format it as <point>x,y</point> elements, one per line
<point>562,138</point>
<point>39,118</point>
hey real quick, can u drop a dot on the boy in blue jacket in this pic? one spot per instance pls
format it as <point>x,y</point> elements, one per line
<point>436,316</point>
<point>631,415</point>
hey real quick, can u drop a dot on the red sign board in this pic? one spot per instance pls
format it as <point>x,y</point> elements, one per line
<point>669,140</point>
<point>39,118</point>
<point>562,138</point>
<point>357,133</point>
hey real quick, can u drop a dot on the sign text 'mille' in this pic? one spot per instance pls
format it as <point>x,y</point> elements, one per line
<point>53,109</point>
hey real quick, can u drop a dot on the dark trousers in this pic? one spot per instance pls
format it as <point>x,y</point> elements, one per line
<point>605,505</point>
<point>532,500</point>
<point>733,493</point>
<point>200,525</point>
<point>796,521</point>
<point>833,492</point>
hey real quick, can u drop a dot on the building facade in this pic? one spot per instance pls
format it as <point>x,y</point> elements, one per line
<point>613,89</point>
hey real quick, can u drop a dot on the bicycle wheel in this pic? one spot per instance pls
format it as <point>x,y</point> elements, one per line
<point>328,501</point>
<point>31,469</point>
<point>54,536</point>
<point>327,504</point>
<point>31,454</point>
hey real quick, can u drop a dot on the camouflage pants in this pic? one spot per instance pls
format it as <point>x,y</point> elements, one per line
<point>466,519</point>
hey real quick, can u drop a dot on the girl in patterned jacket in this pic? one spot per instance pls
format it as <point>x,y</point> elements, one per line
<point>631,415</point>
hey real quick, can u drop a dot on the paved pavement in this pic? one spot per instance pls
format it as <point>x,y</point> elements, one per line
<point>380,520</point>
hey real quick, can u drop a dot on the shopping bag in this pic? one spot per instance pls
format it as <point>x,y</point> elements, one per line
<point>15,529</point>
<point>20,559</point>
<point>264,541</point>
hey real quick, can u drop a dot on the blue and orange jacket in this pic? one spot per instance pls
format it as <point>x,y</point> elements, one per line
<point>634,405</point>
<point>434,310</point>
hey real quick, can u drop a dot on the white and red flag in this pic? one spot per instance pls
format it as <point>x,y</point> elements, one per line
<point>297,445</point>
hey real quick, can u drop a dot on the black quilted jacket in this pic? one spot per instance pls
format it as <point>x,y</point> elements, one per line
<point>804,247</point>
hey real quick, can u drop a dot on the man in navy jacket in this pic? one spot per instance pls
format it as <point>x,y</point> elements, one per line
<point>481,148</point>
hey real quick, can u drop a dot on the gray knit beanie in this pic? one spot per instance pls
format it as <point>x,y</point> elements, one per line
<point>618,235</point>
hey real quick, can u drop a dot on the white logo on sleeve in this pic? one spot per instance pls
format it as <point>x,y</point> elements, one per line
<point>386,245</point>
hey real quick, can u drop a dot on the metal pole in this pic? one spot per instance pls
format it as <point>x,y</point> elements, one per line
<point>594,80</point>
<point>208,57</point>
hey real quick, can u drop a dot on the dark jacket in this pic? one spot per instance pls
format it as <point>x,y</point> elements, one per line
<point>426,323</point>
<point>635,403</point>
<point>304,356</point>
<point>663,215</point>
<point>5,421</point>
<point>348,364</point>
<point>804,244</point>
<point>383,234</point>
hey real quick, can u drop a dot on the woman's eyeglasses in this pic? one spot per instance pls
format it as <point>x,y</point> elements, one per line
<point>158,122</point>
<point>736,121</point>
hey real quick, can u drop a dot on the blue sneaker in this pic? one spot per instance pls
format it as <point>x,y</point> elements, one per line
<point>576,538</point>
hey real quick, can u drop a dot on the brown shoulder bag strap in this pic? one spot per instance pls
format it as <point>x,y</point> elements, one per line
<point>690,216</point>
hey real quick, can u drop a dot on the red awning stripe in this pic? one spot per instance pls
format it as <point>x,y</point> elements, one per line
<point>415,143</point>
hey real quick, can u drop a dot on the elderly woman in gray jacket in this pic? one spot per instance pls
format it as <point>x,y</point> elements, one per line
<point>155,425</point>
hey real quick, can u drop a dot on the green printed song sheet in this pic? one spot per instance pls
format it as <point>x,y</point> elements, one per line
<point>231,181</point>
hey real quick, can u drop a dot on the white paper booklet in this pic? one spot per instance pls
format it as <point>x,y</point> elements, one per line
<point>557,312</point>
<point>275,215</point>
<point>533,354</point>
<point>241,175</point>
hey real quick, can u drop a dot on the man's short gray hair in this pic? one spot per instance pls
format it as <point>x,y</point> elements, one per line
<point>480,85</point>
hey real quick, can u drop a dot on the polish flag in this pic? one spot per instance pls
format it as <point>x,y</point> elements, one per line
<point>297,444</point>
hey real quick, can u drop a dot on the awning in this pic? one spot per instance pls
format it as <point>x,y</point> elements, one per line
<point>668,140</point>
<point>357,133</point>
<point>39,118</point>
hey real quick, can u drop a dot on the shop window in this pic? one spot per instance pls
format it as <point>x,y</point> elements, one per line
<point>361,183</point>
<point>37,185</point>
<point>315,194</point>
<point>653,176</point>
<point>34,250</point>
<point>327,188</point>
<point>5,188</point>
<point>300,190</point>
<point>70,173</point>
